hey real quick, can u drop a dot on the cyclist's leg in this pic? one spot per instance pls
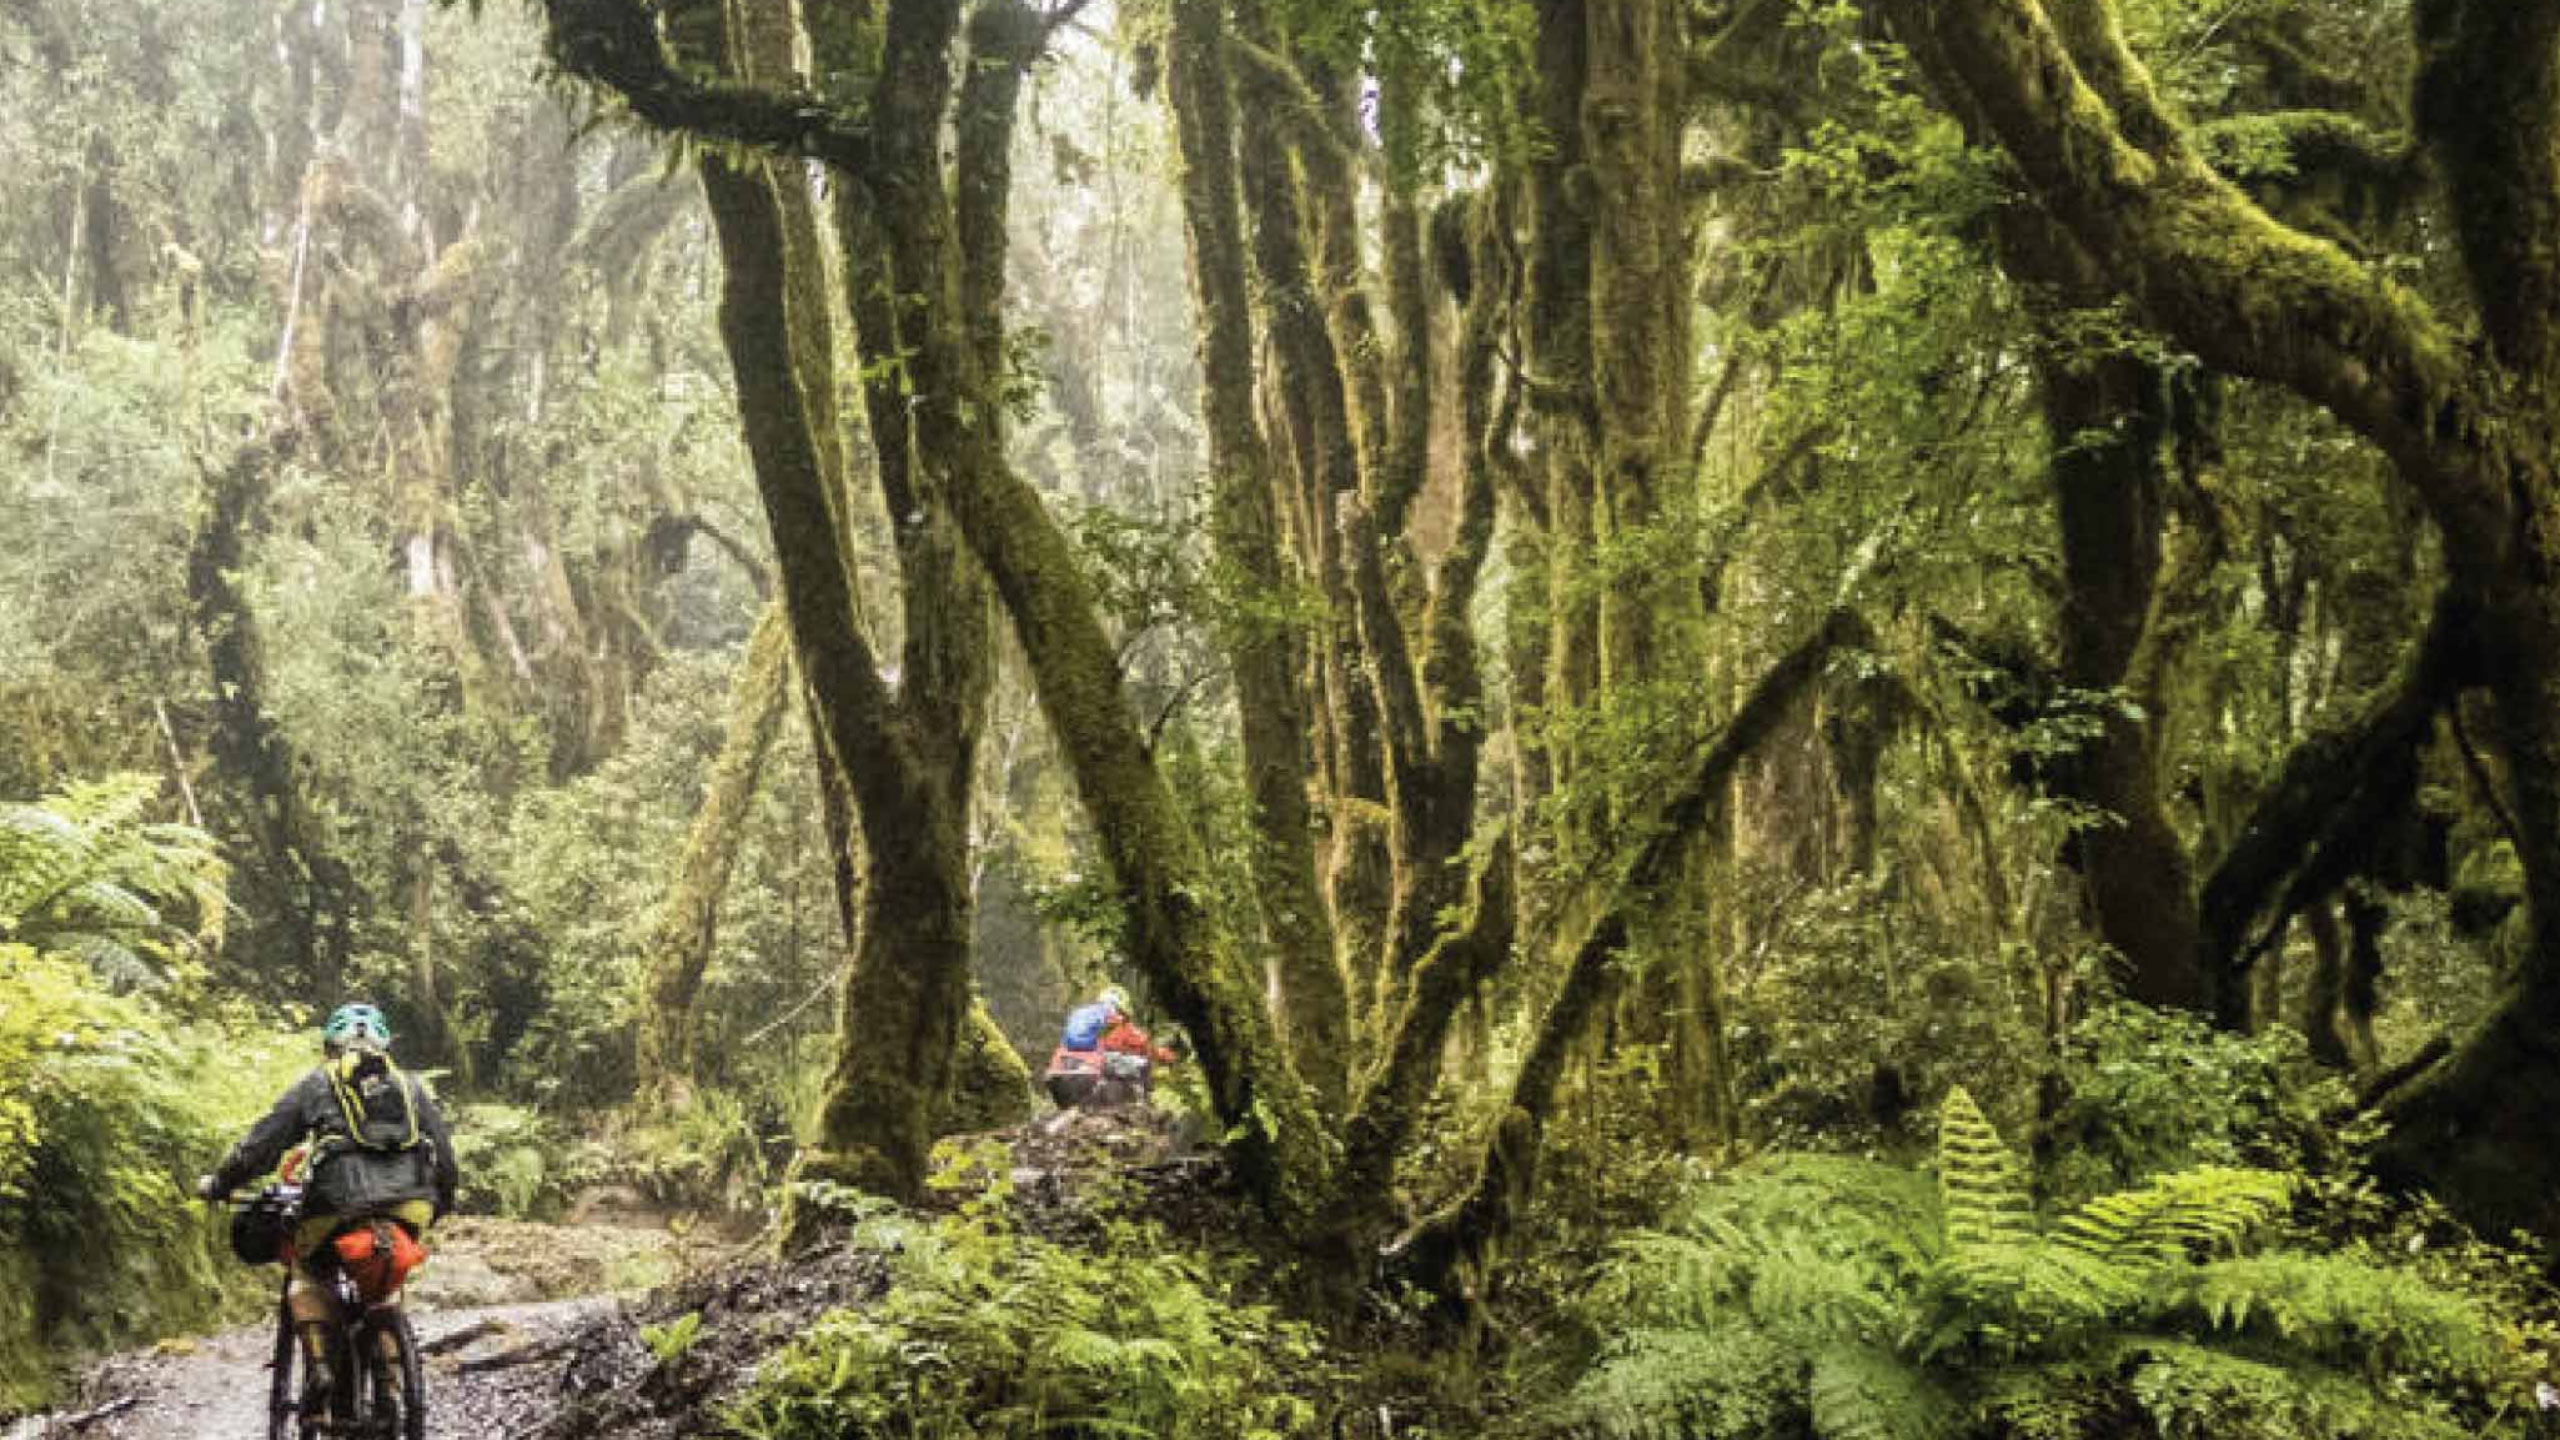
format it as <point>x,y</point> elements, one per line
<point>314,1312</point>
<point>413,1216</point>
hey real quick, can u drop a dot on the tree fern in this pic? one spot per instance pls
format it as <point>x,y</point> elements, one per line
<point>83,875</point>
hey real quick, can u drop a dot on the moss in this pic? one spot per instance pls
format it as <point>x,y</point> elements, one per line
<point>1245,526</point>
<point>680,947</point>
<point>990,1084</point>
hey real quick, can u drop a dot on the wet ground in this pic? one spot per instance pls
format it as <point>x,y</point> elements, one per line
<point>524,1344</point>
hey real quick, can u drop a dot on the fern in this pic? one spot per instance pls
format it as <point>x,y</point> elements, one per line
<point>82,875</point>
<point>1862,1392</point>
<point>1728,1383</point>
<point>989,1334</point>
<point>1980,1186</point>
<point>2194,1392</point>
<point>2210,1210</point>
<point>2344,1311</point>
<point>1829,1297</point>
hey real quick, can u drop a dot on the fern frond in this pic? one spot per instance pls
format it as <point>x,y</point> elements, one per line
<point>1860,1392</point>
<point>2193,1390</point>
<point>1981,1188</point>
<point>2205,1211</point>
<point>2346,1311</point>
<point>1730,1383</point>
<point>2060,1400</point>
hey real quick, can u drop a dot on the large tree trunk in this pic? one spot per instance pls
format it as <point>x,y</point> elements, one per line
<point>2107,422</point>
<point>1652,624</point>
<point>905,755</point>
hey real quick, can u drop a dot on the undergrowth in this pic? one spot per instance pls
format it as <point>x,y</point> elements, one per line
<point>990,1333</point>
<point>1816,1296</point>
<point>106,1108</point>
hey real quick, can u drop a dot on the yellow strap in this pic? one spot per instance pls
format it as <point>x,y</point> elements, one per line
<point>354,1112</point>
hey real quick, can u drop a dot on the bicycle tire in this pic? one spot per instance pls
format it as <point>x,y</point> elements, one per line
<point>284,1398</point>
<point>409,1377</point>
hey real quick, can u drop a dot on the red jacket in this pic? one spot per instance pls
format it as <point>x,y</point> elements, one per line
<point>1128,1039</point>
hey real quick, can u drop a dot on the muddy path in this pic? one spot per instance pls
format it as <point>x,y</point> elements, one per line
<point>492,1310</point>
<point>216,1388</point>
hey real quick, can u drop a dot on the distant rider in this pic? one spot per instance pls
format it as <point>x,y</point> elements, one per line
<point>1103,1059</point>
<point>380,1149</point>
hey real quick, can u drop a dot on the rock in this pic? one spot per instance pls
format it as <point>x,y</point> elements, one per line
<point>463,1281</point>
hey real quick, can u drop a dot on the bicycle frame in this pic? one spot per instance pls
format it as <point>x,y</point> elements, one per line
<point>378,1385</point>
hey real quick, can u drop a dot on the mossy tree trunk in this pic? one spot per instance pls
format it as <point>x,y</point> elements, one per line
<point>2106,422</point>
<point>686,934</point>
<point>1448,1251</point>
<point>904,752</point>
<point>1245,528</point>
<point>1403,685</point>
<point>300,896</point>
<point>2472,436</point>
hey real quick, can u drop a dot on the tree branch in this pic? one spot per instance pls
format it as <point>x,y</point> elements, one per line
<point>1443,1248</point>
<point>2335,790</point>
<point>1460,962</point>
<point>2249,295</point>
<point>615,44</point>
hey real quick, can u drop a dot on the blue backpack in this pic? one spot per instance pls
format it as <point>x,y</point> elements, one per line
<point>1085,1025</point>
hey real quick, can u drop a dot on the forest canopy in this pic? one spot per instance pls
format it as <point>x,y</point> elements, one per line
<point>1806,717</point>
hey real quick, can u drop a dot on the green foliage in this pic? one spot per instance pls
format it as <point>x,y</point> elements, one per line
<point>671,1342</point>
<point>2146,1090</point>
<point>711,1154</point>
<point>1827,1297</point>
<point>107,1107</point>
<point>507,1157</point>
<point>989,1334</point>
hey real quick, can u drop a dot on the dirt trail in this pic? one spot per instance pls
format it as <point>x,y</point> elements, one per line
<point>216,1389</point>
<point>495,1288</point>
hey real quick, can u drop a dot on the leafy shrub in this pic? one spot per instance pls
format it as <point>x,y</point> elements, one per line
<point>107,1108</point>
<point>985,1333</point>
<point>1828,1297</point>
<point>505,1153</point>
<point>2147,1090</point>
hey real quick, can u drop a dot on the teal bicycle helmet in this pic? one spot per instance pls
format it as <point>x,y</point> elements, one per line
<point>356,1025</point>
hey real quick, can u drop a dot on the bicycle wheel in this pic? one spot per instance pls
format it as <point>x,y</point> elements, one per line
<point>400,1382</point>
<point>284,1393</point>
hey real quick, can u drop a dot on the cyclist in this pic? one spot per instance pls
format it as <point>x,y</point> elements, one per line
<point>1103,1059</point>
<point>380,1149</point>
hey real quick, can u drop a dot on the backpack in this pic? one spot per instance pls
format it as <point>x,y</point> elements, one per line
<point>384,1158</point>
<point>1085,1025</point>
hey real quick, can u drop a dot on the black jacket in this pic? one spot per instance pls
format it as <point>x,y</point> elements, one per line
<point>310,1111</point>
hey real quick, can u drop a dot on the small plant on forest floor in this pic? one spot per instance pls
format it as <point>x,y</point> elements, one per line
<point>671,1342</point>
<point>1847,1300</point>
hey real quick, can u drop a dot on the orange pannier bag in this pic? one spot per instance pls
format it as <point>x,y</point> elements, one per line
<point>378,1258</point>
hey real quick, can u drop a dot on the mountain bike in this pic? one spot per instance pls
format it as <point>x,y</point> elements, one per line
<point>378,1387</point>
